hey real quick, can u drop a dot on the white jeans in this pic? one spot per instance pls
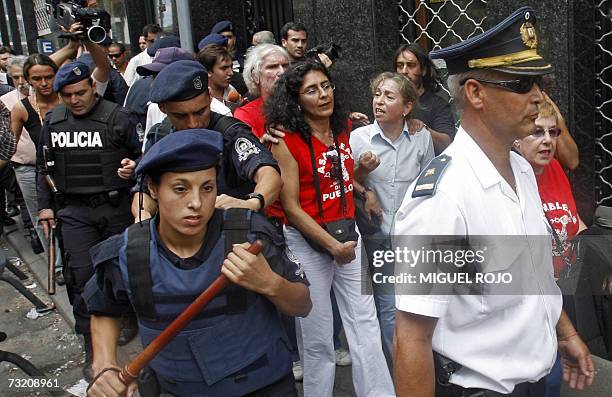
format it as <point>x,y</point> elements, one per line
<point>315,341</point>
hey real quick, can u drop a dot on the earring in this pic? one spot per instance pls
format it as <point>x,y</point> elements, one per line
<point>299,108</point>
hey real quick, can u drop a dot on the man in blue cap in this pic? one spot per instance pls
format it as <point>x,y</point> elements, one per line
<point>226,29</point>
<point>236,346</point>
<point>248,177</point>
<point>137,98</point>
<point>88,146</point>
<point>504,341</point>
<point>213,38</point>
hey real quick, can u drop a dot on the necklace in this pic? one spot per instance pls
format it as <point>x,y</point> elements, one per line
<point>37,108</point>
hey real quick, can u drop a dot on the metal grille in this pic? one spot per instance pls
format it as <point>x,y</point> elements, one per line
<point>439,23</point>
<point>603,103</point>
<point>42,18</point>
<point>266,15</point>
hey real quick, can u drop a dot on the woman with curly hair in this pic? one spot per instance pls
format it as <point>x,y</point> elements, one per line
<point>317,198</point>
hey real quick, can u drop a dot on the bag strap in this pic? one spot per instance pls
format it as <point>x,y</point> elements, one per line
<point>316,177</point>
<point>139,273</point>
<point>236,226</point>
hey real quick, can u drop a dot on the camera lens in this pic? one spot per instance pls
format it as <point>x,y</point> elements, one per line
<point>97,34</point>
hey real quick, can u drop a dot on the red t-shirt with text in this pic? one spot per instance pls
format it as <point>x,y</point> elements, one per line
<point>560,210</point>
<point>332,170</point>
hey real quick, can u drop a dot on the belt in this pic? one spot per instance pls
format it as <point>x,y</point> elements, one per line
<point>95,200</point>
<point>520,390</point>
<point>17,165</point>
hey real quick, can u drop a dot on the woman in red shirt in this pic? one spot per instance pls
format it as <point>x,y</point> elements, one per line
<point>554,187</point>
<point>557,201</point>
<point>317,197</point>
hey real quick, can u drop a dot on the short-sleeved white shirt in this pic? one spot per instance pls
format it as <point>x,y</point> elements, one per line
<point>500,340</point>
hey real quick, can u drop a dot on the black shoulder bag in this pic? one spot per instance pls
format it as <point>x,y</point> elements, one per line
<point>342,230</point>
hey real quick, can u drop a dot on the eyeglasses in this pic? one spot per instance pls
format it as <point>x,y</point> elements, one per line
<point>115,55</point>
<point>521,86</point>
<point>327,87</point>
<point>553,132</point>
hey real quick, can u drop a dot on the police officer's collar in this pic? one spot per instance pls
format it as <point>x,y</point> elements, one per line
<point>483,168</point>
<point>213,233</point>
<point>93,109</point>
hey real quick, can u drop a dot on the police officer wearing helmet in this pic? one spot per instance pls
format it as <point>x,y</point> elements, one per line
<point>87,146</point>
<point>248,177</point>
<point>490,344</point>
<point>236,345</point>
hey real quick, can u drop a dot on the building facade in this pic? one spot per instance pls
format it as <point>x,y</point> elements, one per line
<point>574,34</point>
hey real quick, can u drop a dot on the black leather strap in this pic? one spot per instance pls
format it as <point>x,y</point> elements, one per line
<point>139,273</point>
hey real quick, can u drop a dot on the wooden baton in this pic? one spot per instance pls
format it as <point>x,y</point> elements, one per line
<point>130,371</point>
<point>51,261</point>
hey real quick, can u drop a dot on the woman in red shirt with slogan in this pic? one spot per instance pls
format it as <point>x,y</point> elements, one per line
<point>554,187</point>
<point>317,198</point>
<point>557,201</point>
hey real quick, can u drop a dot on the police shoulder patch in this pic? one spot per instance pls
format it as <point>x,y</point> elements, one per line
<point>245,148</point>
<point>428,179</point>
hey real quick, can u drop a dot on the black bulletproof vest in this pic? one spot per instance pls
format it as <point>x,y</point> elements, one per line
<point>86,154</point>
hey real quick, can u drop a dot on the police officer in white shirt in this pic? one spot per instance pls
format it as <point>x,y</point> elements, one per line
<point>488,345</point>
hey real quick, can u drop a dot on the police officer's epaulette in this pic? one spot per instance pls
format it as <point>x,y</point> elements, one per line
<point>106,250</point>
<point>428,179</point>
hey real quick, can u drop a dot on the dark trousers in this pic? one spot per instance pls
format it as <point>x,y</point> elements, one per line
<point>82,227</point>
<point>521,390</point>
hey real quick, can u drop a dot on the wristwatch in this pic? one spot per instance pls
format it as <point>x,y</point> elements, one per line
<point>258,196</point>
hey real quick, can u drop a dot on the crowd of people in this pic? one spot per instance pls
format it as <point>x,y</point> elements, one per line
<point>163,172</point>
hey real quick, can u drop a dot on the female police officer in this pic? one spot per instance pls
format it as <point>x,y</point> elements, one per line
<point>236,346</point>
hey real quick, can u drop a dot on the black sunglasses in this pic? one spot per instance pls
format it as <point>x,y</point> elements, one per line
<point>115,55</point>
<point>521,86</point>
<point>553,132</point>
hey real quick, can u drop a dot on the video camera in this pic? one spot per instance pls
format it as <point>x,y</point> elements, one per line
<point>331,50</point>
<point>96,22</point>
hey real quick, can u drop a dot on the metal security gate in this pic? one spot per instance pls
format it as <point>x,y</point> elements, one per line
<point>603,103</point>
<point>267,15</point>
<point>439,23</point>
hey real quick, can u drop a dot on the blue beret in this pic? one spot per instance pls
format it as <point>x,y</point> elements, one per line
<point>213,38</point>
<point>163,58</point>
<point>70,73</point>
<point>179,81</point>
<point>222,26</point>
<point>164,42</point>
<point>183,151</point>
<point>511,47</point>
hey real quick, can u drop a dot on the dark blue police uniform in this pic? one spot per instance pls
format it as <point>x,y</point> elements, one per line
<point>243,154</point>
<point>236,346</point>
<point>83,154</point>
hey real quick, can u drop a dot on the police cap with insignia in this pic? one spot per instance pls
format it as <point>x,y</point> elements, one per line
<point>222,26</point>
<point>213,38</point>
<point>70,73</point>
<point>179,81</point>
<point>163,58</point>
<point>184,151</point>
<point>510,47</point>
<point>164,42</point>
